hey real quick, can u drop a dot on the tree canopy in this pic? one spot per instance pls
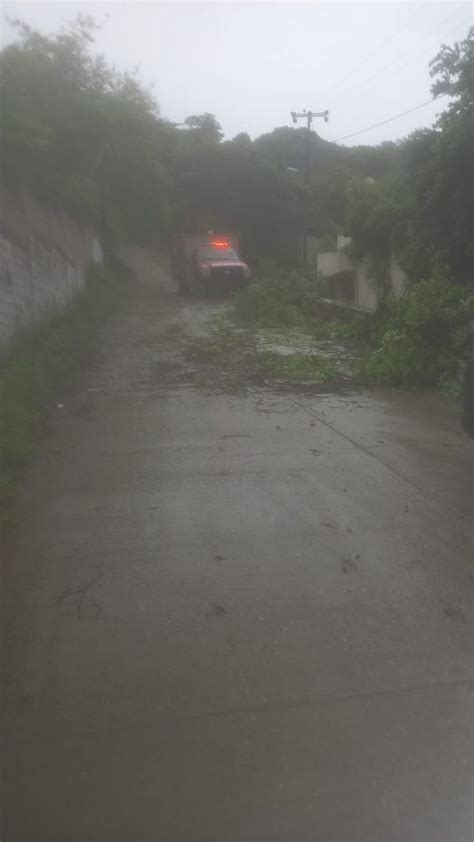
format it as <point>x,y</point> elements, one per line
<point>78,133</point>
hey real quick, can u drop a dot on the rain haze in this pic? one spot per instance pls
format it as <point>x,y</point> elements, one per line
<point>236,421</point>
<point>250,64</point>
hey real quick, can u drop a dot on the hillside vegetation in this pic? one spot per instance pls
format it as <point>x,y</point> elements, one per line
<point>78,133</point>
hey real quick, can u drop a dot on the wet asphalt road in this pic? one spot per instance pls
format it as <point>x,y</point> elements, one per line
<point>238,618</point>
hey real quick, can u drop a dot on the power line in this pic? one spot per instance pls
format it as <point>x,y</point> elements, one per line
<point>366,59</point>
<point>430,43</point>
<point>389,119</point>
<point>395,34</point>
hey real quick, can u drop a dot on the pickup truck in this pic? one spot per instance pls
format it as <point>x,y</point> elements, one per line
<point>209,264</point>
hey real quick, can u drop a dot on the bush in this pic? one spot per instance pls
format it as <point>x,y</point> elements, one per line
<point>419,338</point>
<point>278,298</point>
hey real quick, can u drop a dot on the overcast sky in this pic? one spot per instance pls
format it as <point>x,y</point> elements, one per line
<point>250,64</point>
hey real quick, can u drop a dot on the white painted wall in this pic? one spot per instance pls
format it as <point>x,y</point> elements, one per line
<point>331,262</point>
<point>343,242</point>
<point>365,287</point>
<point>397,276</point>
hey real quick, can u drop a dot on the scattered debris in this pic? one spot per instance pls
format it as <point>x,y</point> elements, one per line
<point>216,610</point>
<point>455,613</point>
<point>80,596</point>
<point>349,564</point>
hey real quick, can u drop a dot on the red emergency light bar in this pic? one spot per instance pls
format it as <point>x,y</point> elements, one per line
<point>220,244</point>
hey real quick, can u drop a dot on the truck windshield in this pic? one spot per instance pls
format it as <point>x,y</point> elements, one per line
<point>211,253</point>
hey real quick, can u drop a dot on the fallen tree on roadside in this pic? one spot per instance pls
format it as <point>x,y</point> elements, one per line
<point>417,339</point>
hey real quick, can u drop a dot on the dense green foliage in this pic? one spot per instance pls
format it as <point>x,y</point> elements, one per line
<point>420,338</point>
<point>437,220</point>
<point>278,298</point>
<point>417,339</point>
<point>427,211</point>
<point>80,134</point>
<point>77,132</point>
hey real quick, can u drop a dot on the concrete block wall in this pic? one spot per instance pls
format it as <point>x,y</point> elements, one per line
<point>44,257</point>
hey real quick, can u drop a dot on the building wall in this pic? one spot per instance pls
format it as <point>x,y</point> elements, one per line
<point>332,262</point>
<point>397,276</point>
<point>339,287</point>
<point>343,242</point>
<point>43,261</point>
<point>365,287</point>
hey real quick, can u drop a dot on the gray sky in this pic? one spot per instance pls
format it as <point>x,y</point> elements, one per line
<point>250,64</point>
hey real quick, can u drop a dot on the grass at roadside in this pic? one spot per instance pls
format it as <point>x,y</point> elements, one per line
<point>31,374</point>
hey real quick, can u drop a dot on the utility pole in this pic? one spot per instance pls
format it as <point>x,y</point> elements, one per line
<point>308,116</point>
